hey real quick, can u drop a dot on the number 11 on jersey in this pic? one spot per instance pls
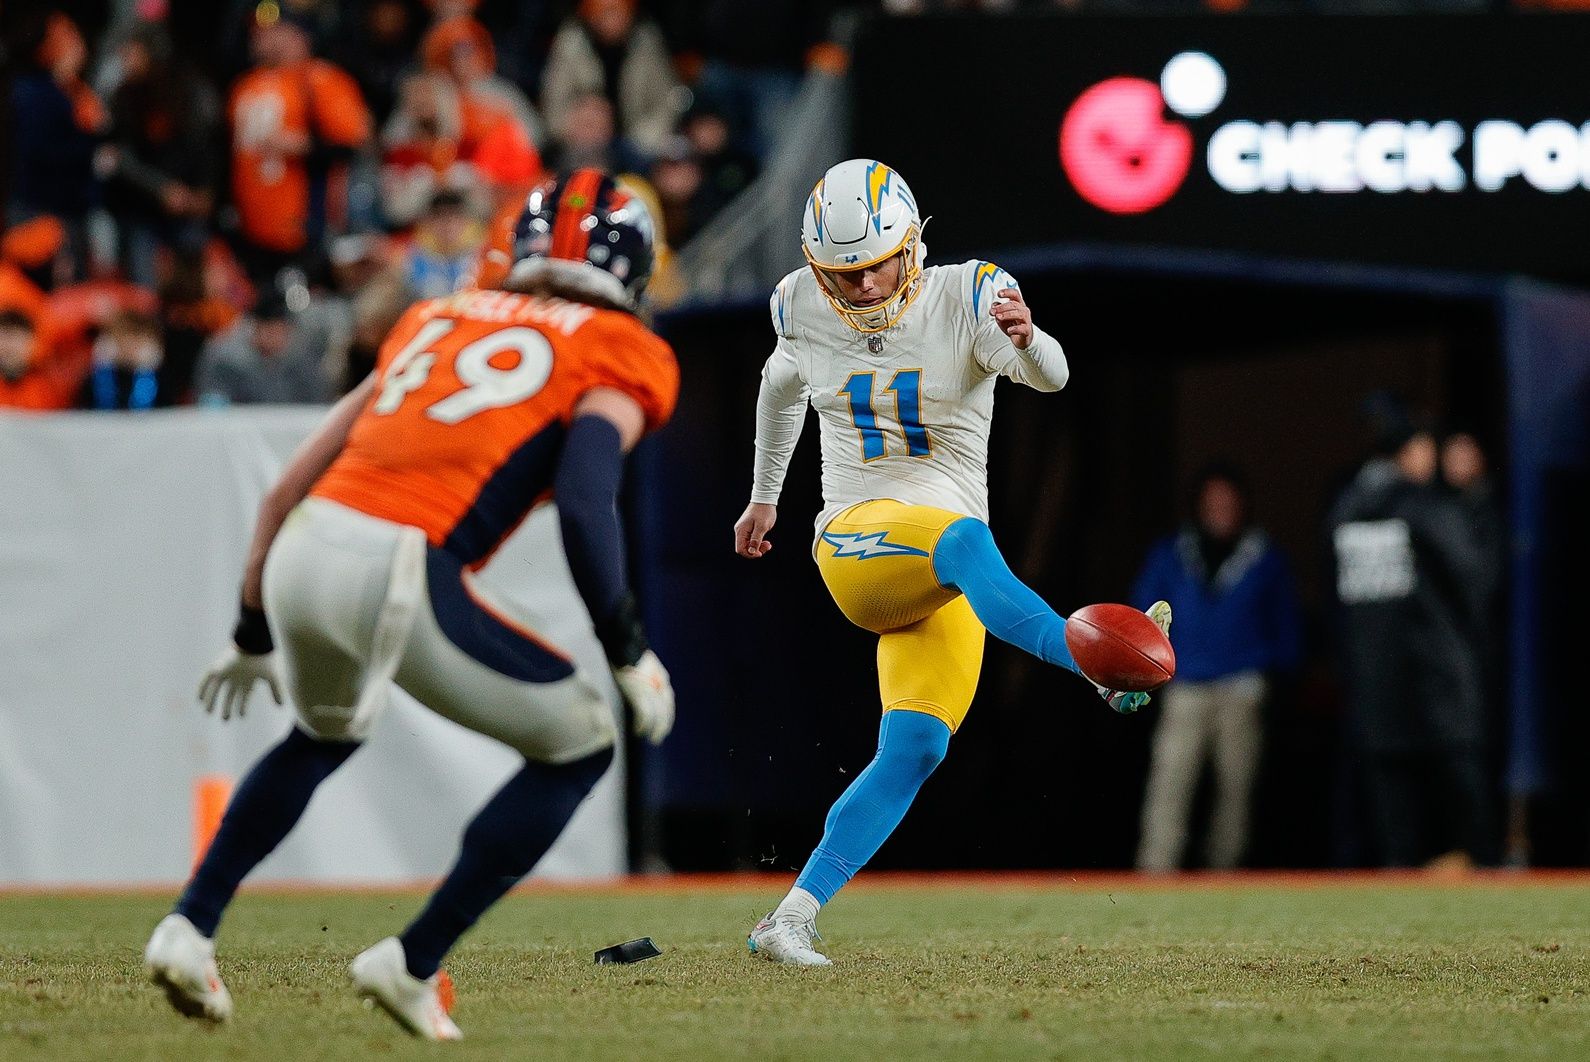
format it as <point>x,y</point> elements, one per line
<point>906,386</point>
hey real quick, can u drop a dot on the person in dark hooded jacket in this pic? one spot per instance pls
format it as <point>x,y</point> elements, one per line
<point>1407,579</point>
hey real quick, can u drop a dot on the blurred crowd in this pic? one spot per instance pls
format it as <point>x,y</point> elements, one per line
<point>218,201</point>
<point>228,202</point>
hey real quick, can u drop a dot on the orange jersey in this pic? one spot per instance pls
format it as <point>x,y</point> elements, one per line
<point>474,391</point>
<point>271,190</point>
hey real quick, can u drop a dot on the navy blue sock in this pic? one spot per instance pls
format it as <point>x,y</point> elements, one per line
<point>966,559</point>
<point>503,844</point>
<point>266,806</point>
<point>910,745</point>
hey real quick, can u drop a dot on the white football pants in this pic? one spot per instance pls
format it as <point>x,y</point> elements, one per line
<point>357,603</point>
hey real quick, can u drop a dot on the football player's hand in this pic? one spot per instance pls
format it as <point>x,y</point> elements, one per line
<point>1014,316</point>
<point>645,686</point>
<point>750,530</point>
<point>230,680</point>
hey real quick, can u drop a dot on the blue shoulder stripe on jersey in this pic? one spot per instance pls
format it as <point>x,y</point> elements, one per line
<point>779,298</point>
<point>988,277</point>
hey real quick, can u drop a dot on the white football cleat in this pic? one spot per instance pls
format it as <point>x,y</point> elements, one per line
<point>381,975</point>
<point>1159,612</point>
<point>181,960</point>
<point>787,942</point>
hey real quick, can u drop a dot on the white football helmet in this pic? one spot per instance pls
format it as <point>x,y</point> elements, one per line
<point>861,213</point>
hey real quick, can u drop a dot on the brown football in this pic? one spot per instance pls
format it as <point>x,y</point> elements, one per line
<point>1119,648</point>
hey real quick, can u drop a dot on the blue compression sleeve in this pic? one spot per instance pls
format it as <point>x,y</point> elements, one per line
<point>910,746</point>
<point>967,560</point>
<point>586,488</point>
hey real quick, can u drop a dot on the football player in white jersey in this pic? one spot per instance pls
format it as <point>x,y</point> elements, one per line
<point>900,363</point>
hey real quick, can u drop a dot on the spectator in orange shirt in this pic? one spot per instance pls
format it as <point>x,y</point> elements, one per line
<point>31,376</point>
<point>27,380</point>
<point>428,147</point>
<point>295,122</point>
<point>462,48</point>
<point>499,126</point>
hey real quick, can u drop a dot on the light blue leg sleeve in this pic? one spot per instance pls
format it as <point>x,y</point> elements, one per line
<point>910,746</point>
<point>967,560</point>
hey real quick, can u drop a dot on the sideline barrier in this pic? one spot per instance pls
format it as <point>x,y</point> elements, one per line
<point>122,538</point>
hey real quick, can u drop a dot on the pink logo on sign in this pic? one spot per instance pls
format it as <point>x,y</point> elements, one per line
<point>1118,149</point>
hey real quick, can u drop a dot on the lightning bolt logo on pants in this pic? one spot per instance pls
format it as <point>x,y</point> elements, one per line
<point>864,546</point>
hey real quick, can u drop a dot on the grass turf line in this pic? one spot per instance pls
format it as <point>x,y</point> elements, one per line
<point>1404,972</point>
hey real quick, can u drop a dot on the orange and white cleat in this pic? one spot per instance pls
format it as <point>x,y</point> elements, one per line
<point>380,973</point>
<point>181,960</point>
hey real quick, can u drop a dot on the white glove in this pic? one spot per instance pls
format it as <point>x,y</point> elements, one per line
<point>645,686</point>
<point>230,680</point>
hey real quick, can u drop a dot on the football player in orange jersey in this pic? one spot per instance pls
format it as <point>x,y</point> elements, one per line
<point>482,404</point>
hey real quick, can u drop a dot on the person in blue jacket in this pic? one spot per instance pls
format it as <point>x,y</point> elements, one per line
<point>1235,602</point>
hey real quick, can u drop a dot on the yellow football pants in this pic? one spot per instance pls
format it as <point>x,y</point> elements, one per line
<point>876,559</point>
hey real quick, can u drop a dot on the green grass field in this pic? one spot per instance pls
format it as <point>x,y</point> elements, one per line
<point>1333,972</point>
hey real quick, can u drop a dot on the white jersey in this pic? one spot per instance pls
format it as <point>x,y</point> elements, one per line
<point>903,414</point>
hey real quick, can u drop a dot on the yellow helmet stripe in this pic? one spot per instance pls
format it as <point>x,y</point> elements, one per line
<point>878,177</point>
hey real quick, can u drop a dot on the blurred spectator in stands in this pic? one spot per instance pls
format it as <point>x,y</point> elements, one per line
<point>376,308</point>
<point>296,121</point>
<point>1235,605</point>
<point>378,43</point>
<point>754,74</point>
<point>79,312</point>
<point>264,358</point>
<point>55,120</point>
<point>522,30</point>
<point>604,49</point>
<point>462,49</point>
<point>127,359</point>
<point>587,139</point>
<point>18,351</point>
<point>678,178</point>
<point>445,249</point>
<point>421,149</point>
<point>426,149</point>
<point>725,169</point>
<point>1408,581</point>
<point>28,377</point>
<point>160,163</point>
<point>198,300</point>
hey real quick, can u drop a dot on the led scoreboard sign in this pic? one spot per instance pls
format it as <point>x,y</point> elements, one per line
<point>1448,142</point>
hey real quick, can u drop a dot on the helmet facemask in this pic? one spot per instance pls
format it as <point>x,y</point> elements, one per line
<point>884,315</point>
